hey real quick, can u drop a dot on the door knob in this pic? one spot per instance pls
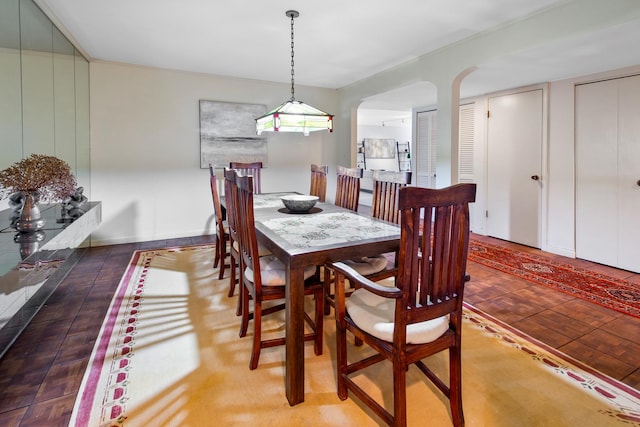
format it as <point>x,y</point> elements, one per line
<point>638,182</point>
<point>536,177</point>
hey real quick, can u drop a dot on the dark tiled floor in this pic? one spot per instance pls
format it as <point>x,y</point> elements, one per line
<point>602,338</point>
<point>41,373</point>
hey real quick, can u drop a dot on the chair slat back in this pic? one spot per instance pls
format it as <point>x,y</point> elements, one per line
<point>231,196</point>
<point>217,208</point>
<point>348,188</point>
<point>246,229</point>
<point>319,181</point>
<point>250,168</point>
<point>386,186</point>
<point>434,242</point>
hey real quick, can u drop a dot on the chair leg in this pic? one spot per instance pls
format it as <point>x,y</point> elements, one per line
<point>257,335</point>
<point>341,356</point>
<point>220,254</point>
<point>399,395</point>
<point>327,290</point>
<point>244,310</point>
<point>455,387</point>
<point>319,320</point>
<point>216,257</point>
<point>232,276</point>
<point>240,305</point>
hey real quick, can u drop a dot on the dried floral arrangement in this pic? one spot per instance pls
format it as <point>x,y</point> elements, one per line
<point>48,177</point>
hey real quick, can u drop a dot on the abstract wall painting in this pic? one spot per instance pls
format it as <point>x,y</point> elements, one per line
<point>228,133</point>
<point>380,148</point>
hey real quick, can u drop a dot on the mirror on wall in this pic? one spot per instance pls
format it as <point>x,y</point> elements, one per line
<point>10,86</point>
<point>36,41</point>
<point>64,105</point>
<point>44,91</point>
<point>83,159</point>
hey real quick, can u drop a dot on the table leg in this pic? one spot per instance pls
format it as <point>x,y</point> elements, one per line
<point>294,364</point>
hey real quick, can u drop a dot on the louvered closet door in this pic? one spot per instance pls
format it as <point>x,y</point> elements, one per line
<point>466,137</point>
<point>426,131</point>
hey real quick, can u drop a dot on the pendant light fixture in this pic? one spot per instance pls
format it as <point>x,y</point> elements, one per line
<point>292,115</point>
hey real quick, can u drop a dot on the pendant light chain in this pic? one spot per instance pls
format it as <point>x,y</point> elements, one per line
<point>292,80</point>
<point>294,116</point>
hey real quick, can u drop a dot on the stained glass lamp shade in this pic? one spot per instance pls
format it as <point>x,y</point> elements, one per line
<point>294,116</point>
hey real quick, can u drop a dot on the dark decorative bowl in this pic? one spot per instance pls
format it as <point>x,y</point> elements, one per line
<point>299,202</point>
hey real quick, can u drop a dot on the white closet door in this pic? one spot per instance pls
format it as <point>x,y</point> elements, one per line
<point>629,173</point>
<point>514,167</point>
<point>607,172</point>
<point>597,172</point>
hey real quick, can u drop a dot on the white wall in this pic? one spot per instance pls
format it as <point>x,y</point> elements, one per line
<point>145,148</point>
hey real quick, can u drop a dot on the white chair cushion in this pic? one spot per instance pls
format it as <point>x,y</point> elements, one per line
<point>262,251</point>
<point>375,315</point>
<point>389,282</point>
<point>368,265</point>
<point>273,271</point>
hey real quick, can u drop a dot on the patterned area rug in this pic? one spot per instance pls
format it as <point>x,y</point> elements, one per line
<point>606,291</point>
<point>169,354</point>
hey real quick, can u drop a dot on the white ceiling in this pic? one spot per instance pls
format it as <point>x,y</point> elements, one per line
<point>337,42</point>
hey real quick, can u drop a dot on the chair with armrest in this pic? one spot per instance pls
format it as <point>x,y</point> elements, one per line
<point>348,197</point>
<point>319,181</point>
<point>384,206</point>
<point>264,279</point>
<point>249,168</point>
<point>222,231</point>
<point>422,314</point>
<point>386,185</point>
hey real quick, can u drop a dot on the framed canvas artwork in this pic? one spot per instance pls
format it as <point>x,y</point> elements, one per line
<point>228,133</point>
<point>380,148</point>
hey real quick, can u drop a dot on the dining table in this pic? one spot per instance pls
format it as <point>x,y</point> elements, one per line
<point>325,233</point>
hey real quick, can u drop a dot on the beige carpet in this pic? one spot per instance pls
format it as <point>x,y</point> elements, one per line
<point>169,355</point>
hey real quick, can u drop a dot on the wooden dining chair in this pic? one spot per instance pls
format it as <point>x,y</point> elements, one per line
<point>422,314</point>
<point>384,206</point>
<point>319,181</point>
<point>249,168</point>
<point>348,187</point>
<point>380,266</point>
<point>386,185</point>
<point>222,231</point>
<point>230,195</point>
<point>264,279</point>
<point>230,190</point>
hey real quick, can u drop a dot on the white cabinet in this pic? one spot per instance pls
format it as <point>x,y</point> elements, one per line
<point>608,172</point>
